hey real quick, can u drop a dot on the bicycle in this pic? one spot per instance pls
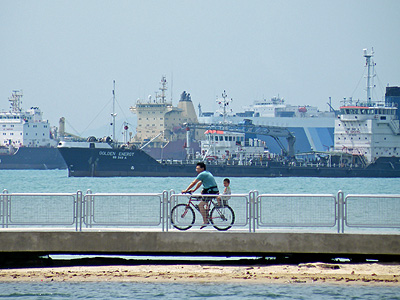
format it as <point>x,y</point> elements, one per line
<point>221,217</point>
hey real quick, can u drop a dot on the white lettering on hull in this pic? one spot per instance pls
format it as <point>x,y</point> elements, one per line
<point>115,155</point>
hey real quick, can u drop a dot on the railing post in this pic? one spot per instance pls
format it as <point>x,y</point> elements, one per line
<point>252,211</point>
<point>249,208</point>
<point>340,209</point>
<point>169,208</point>
<point>88,205</point>
<point>5,201</point>
<point>255,224</point>
<point>2,209</point>
<point>79,210</point>
<point>164,214</point>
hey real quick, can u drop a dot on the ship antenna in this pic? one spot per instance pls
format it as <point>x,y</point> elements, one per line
<point>172,86</point>
<point>113,113</point>
<point>15,100</point>
<point>224,103</point>
<point>163,88</point>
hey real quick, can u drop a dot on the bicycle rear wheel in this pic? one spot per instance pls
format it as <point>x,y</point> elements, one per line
<point>222,218</point>
<point>182,216</point>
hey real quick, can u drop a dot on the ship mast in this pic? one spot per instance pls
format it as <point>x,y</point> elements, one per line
<point>370,75</point>
<point>15,100</point>
<point>224,103</point>
<point>163,88</point>
<point>113,113</point>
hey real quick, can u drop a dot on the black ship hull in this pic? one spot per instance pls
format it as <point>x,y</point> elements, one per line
<point>26,158</point>
<point>93,162</point>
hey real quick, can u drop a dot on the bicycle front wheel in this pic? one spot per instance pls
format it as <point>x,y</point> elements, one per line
<point>182,216</point>
<point>222,218</point>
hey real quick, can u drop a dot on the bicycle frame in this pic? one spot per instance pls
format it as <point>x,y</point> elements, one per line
<point>221,217</point>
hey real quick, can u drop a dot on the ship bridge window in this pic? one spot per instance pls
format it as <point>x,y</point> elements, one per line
<point>226,138</point>
<point>230,139</point>
<point>221,138</point>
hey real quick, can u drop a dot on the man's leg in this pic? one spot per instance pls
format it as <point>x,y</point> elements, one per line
<point>203,207</point>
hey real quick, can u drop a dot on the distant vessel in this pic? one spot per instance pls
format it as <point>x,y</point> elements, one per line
<point>370,129</point>
<point>367,139</point>
<point>160,131</point>
<point>26,140</point>
<point>313,129</point>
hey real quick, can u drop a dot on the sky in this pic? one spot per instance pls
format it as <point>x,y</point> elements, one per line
<point>65,55</point>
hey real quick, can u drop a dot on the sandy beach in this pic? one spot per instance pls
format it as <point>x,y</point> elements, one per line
<point>374,273</point>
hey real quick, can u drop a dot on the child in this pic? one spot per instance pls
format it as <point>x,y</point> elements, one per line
<point>227,191</point>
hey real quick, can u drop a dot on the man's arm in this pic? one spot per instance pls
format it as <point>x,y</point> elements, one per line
<point>194,182</point>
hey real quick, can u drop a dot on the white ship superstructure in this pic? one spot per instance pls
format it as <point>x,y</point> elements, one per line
<point>277,108</point>
<point>369,129</point>
<point>221,145</point>
<point>313,129</point>
<point>24,128</point>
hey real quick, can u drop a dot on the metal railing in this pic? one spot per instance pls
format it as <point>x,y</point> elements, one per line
<point>253,212</point>
<point>300,210</point>
<point>371,211</point>
<point>125,209</point>
<point>40,209</point>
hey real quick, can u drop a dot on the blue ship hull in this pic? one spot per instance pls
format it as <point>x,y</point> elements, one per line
<point>32,158</point>
<point>94,162</point>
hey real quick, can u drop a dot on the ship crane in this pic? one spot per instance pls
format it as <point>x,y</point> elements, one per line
<point>247,127</point>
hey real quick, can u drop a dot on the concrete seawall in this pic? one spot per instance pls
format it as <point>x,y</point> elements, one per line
<point>198,243</point>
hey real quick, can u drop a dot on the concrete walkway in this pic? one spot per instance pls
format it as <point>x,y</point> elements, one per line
<point>198,243</point>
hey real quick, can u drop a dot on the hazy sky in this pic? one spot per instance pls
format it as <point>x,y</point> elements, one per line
<point>64,55</point>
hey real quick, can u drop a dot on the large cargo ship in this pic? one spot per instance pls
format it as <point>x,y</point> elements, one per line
<point>26,140</point>
<point>367,139</point>
<point>161,134</point>
<point>314,129</point>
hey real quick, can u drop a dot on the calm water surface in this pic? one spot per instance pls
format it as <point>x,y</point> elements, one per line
<point>115,290</point>
<point>58,181</point>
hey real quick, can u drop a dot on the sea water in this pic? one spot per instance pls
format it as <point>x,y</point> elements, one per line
<point>176,291</point>
<point>51,181</point>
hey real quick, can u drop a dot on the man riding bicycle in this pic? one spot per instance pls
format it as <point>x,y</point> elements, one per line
<point>206,179</point>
